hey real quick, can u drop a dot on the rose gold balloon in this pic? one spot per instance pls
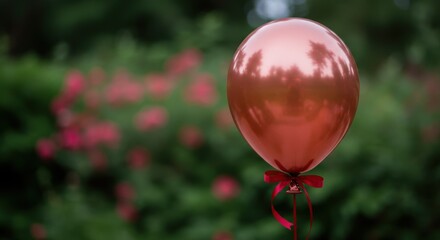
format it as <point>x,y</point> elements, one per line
<point>293,90</point>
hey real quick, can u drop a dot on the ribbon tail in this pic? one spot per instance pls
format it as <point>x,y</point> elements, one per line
<point>284,222</point>
<point>312,180</point>
<point>309,202</point>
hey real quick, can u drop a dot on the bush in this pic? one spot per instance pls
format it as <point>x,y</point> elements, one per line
<point>155,155</point>
<point>137,143</point>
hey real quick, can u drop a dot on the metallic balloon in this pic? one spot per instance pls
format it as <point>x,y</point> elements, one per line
<point>293,90</point>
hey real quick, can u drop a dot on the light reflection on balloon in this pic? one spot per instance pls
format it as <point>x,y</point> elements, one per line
<point>293,90</point>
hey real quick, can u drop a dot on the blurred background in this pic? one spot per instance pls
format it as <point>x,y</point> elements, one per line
<point>114,122</point>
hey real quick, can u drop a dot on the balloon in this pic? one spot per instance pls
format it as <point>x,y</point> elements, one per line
<point>293,90</point>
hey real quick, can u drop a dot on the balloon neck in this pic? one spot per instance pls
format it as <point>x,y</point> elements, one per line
<point>293,174</point>
<point>294,187</point>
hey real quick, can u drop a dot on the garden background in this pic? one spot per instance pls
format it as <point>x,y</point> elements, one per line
<point>114,122</point>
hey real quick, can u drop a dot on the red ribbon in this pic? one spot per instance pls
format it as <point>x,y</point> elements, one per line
<point>285,179</point>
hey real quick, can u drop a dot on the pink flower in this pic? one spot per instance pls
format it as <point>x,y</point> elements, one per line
<point>38,231</point>
<point>133,91</point>
<point>65,118</point>
<point>124,192</point>
<point>154,117</point>
<point>70,138</point>
<point>222,236</point>
<point>98,160</point>
<point>183,62</point>
<point>74,84</point>
<point>59,104</point>
<point>92,99</point>
<point>191,137</point>
<point>123,89</point>
<point>114,94</point>
<point>223,118</point>
<point>126,211</point>
<point>158,86</point>
<point>46,148</point>
<point>138,158</point>
<point>109,133</point>
<point>201,91</point>
<point>225,187</point>
<point>96,76</point>
<point>106,133</point>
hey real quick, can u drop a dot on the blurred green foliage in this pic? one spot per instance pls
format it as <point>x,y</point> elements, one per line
<point>380,182</point>
<point>374,30</point>
<point>26,88</point>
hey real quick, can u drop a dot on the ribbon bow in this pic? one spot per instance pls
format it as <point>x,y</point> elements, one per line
<point>296,185</point>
